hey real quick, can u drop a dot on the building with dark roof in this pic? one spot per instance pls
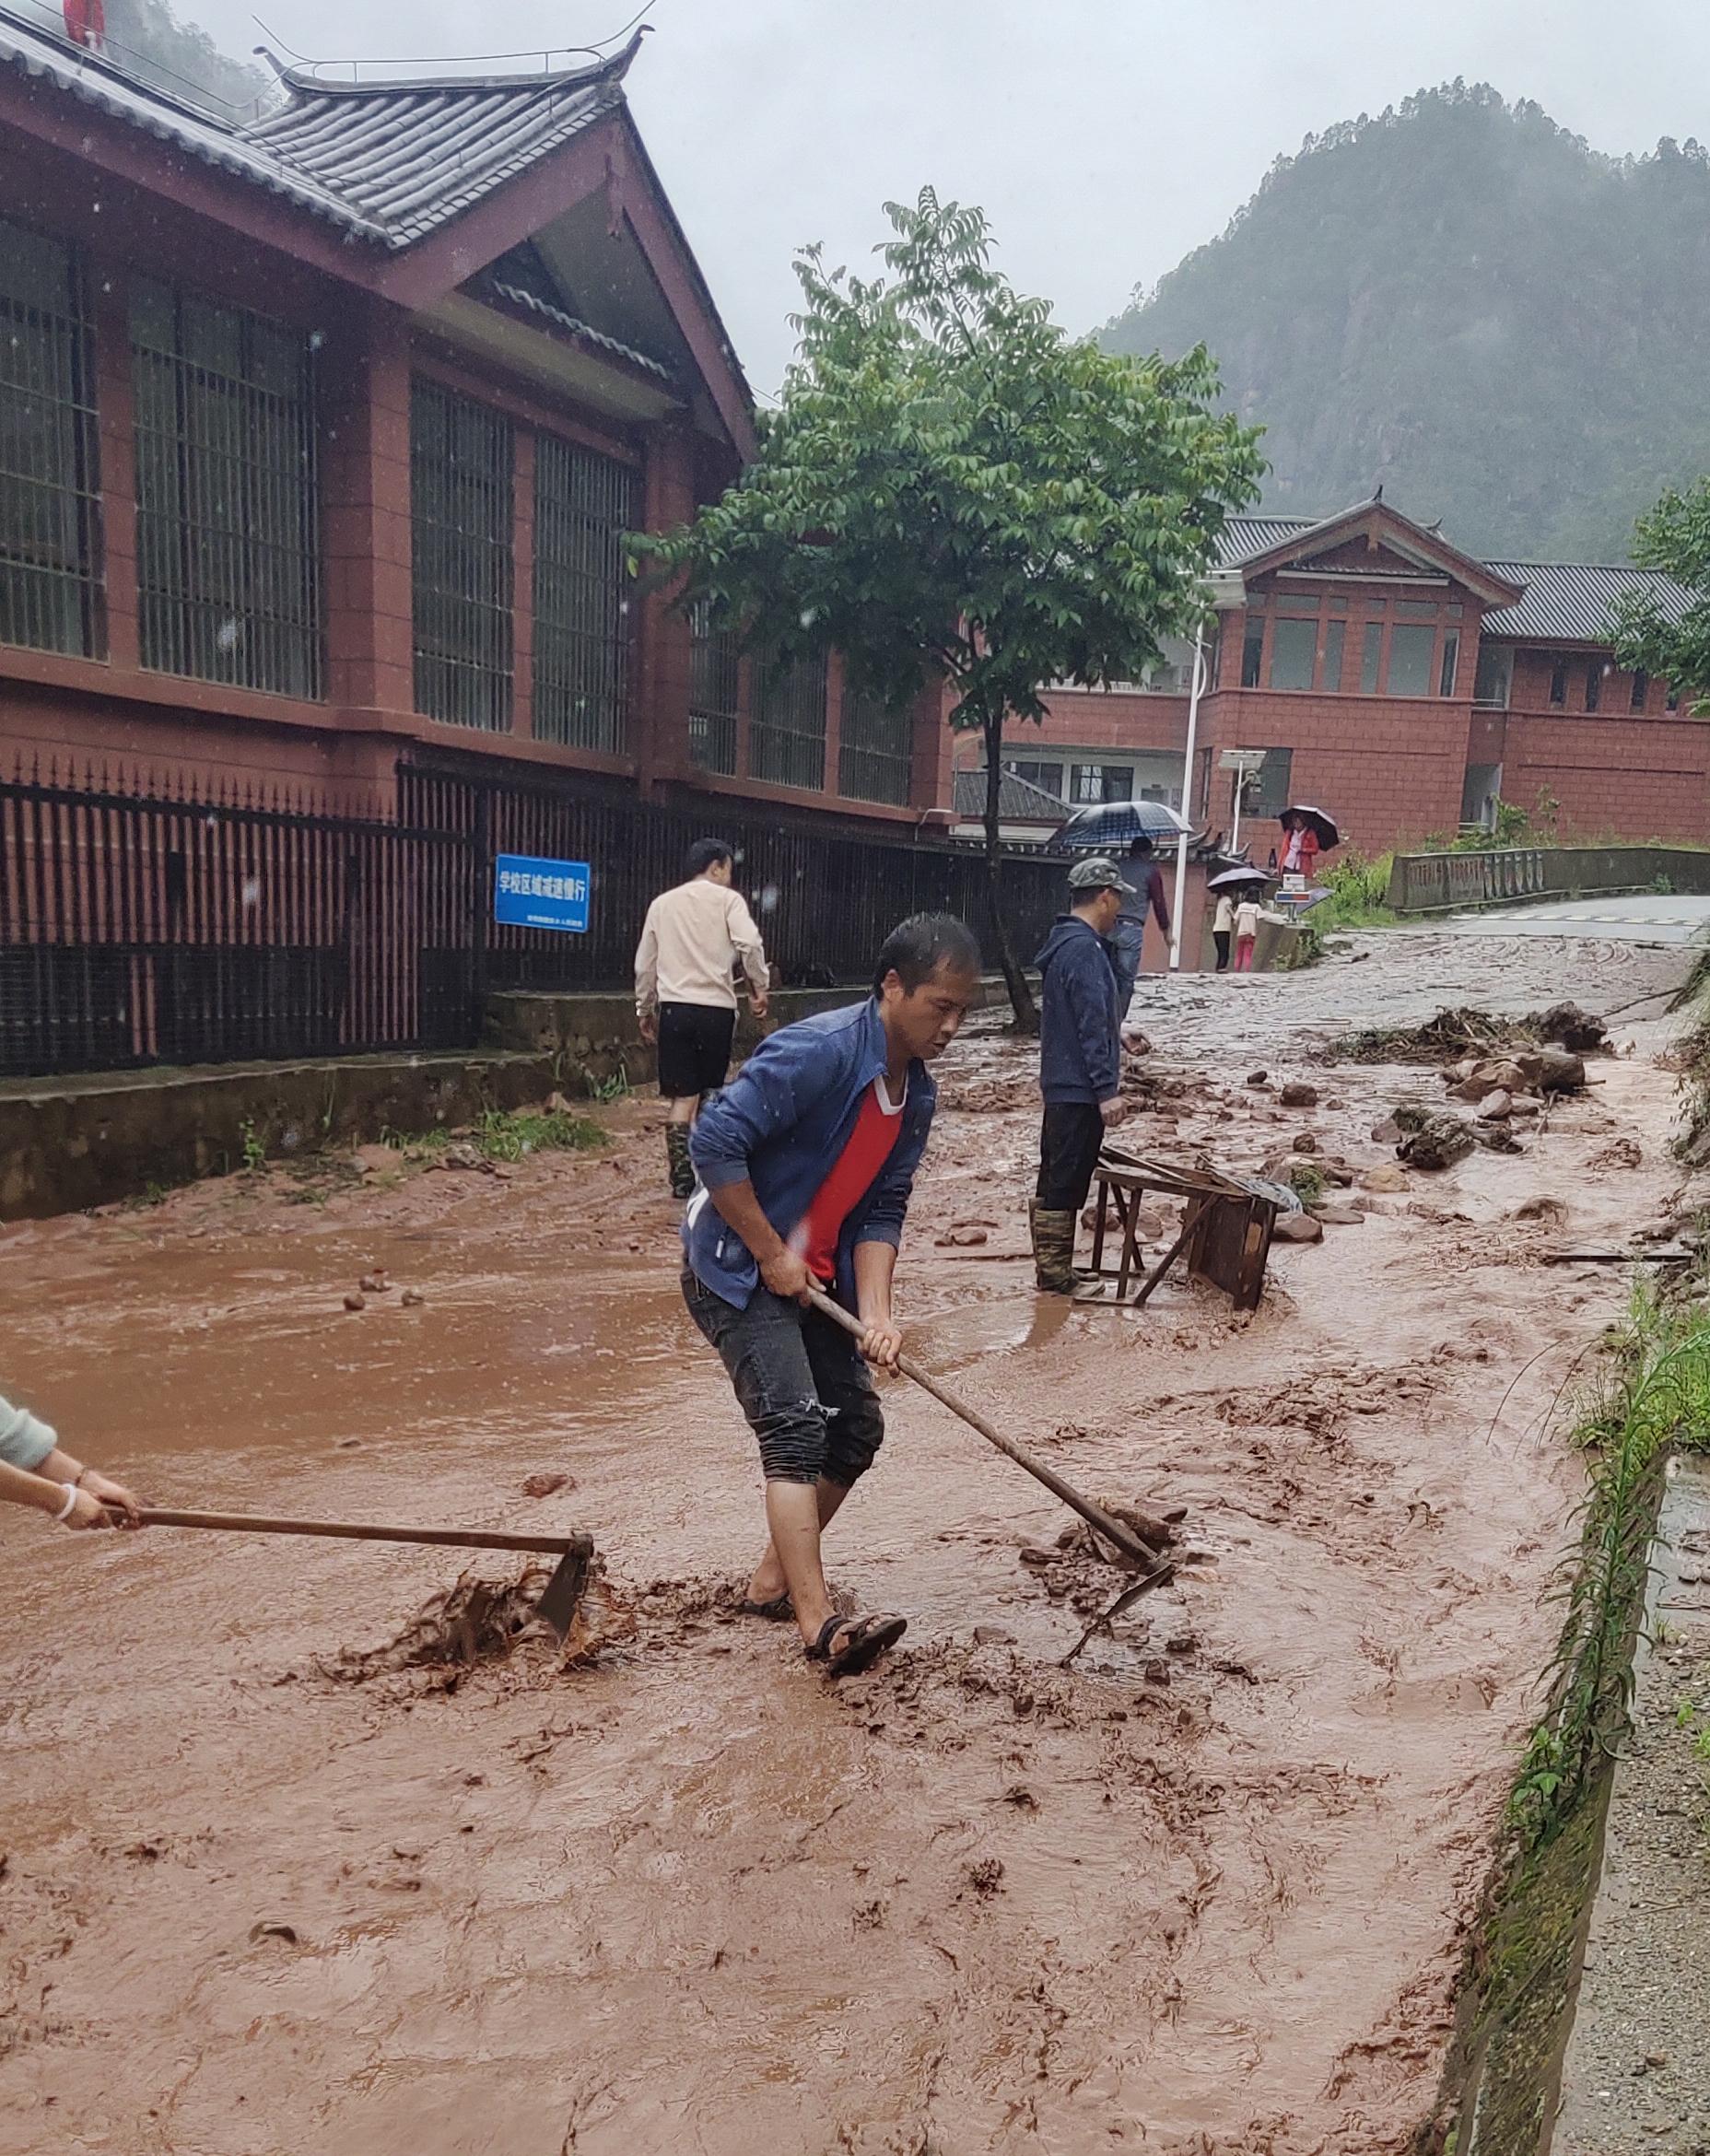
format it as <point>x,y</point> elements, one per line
<point>320,429</point>
<point>1405,685</point>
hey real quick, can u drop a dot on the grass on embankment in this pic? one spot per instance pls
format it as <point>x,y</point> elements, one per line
<point>1649,1393</point>
<point>506,1134</point>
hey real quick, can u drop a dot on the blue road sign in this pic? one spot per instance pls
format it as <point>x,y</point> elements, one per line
<point>541,894</point>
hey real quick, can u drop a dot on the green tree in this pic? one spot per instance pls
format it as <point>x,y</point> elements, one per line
<point>1673,644</point>
<point>954,491</point>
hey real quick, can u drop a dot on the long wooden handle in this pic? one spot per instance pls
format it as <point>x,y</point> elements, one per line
<point>252,1523</point>
<point>1114,1531</point>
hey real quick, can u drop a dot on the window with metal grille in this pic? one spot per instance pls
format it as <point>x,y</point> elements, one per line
<point>583,505</point>
<point>1639,690</point>
<point>227,511</point>
<point>461,512</point>
<point>715,690</point>
<point>51,595</point>
<point>1097,783</point>
<point>787,740</point>
<point>875,749</point>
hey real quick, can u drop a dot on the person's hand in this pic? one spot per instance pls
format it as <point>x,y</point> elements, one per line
<point>1112,1110</point>
<point>110,1494</point>
<point>647,1026</point>
<point>787,1275</point>
<point>882,1342</point>
<point>762,1004</point>
<point>88,1512</point>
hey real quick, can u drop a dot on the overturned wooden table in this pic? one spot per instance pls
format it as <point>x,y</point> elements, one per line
<point>1226,1228</point>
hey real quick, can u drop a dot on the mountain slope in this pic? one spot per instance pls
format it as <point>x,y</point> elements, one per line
<point>1464,303</point>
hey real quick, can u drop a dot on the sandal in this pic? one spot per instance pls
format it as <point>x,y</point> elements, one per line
<point>868,1638</point>
<point>779,1606</point>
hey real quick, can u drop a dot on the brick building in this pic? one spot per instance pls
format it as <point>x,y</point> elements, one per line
<point>1400,684</point>
<point>319,428</point>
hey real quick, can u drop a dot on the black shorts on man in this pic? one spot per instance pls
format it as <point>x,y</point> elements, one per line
<point>694,1049</point>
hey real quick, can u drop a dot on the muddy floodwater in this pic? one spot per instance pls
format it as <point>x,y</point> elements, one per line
<point>1204,1891</point>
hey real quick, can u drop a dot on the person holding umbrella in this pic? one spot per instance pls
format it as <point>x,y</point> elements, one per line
<point>1232,887</point>
<point>1307,833</point>
<point>1128,938</point>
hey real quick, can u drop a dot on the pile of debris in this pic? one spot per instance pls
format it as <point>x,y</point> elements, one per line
<point>1502,1090</point>
<point>1456,1034</point>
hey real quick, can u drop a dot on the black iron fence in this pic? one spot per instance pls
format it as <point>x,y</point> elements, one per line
<point>143,925</point>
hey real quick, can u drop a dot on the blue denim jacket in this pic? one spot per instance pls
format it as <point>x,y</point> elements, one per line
<point>782,1122</point>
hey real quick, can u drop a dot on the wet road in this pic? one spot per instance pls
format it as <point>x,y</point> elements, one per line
<point>1639,918</point>
<point>1204,1893</point>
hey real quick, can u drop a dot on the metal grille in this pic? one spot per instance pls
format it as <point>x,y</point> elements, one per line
<point>228,507</point>
<point>462,521</point>
<point>825,893</point>
<point>188,926</point>
<point>583,505</point>
<point>875,749</point>
<point>51,595</point>
<point>787,740</point>
<point>715,690</point>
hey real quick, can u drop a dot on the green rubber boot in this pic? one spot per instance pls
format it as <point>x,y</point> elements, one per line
<point>1053,1252</point>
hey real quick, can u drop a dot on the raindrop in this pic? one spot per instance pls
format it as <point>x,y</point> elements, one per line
<point>252,893</point>
<point>316,339</point>
<point>807,617</point>
<point>227,635</point>
<point>767,899</point>
<point>96,208</point>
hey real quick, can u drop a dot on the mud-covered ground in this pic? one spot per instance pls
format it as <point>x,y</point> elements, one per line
<point>1204,1893</point>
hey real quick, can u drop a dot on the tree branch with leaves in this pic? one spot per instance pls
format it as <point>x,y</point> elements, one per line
<point>1672,643</point>
<point>954,490</point>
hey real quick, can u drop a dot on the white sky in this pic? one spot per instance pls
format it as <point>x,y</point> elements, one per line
<point>1104,138</point>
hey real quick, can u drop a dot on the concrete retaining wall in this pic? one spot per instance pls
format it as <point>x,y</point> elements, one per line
<point>1435,883</point>
<point>68,1143</point>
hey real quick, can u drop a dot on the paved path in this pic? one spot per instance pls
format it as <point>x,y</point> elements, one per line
<point>1643,918</point>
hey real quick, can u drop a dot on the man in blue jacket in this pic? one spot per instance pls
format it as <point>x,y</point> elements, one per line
<point>806,1163</point>
<point>1080,1061</point>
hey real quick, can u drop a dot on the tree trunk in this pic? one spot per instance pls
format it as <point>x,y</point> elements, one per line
<point>1021,995</point>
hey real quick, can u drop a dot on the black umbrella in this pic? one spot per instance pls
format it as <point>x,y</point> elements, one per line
<point>1231,878</point>
<point>1110,826</point>
<point>1325,827</point>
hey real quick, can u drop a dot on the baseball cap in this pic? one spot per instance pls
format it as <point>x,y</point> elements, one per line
<point>1098,873</point>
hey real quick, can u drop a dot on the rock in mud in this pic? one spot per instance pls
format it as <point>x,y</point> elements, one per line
<point>1496,1107</point>
<point>412,1298</point>
<point>374,1160</point>
<point>1385,1176</point>
<point>545,1485</point>
<point>1568,1026</point>
<point>1340,1216</point>
<point>375,1282</point>
<point>355,1302</point>
<point>1560,1072</point>
<point>1438,1142</point>
<point>962,1238</point>
<point>1387,1133</point>
<point>1298,1093</point>
<point>1298,1227</point>
<point>1258,1077</point>
<point>1550,1209</point>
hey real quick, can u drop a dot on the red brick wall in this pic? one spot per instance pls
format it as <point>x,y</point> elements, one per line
<point>1389,770</point>
<point>1534,669</point>
<point>1617,777</point>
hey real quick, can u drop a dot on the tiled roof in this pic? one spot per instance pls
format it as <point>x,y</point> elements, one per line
<point>515,297</point>
<point>1571,601</point>
<point>1244,536</point>
<point>387,161</point>
<point>1019,800</point>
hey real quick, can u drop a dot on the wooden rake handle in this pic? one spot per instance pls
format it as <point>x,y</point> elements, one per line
<point>251,1523</point>
<point>1132,1545</point>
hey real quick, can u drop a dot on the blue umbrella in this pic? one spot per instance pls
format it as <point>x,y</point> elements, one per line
<point>1110,826</point>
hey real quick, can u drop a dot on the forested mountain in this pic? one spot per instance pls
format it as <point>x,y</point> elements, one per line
<point>1461,301</point>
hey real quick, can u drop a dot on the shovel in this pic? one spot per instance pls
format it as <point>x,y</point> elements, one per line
<point>560,1599</point>
<point>1138,1551</point>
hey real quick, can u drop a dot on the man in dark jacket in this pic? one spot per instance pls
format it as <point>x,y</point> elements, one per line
<point>1080,1061</point>
<point>806,1164</point>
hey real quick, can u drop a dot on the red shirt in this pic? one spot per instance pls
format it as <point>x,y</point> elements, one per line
<point>853,1174</point>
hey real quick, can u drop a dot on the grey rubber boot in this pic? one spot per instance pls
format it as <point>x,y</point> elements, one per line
<point>678,1154</point>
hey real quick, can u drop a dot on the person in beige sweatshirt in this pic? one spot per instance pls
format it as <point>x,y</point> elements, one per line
<point>36,1470</point>
<point>693,940</point>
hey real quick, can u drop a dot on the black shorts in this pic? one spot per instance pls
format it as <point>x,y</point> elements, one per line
<point>694,1049</point>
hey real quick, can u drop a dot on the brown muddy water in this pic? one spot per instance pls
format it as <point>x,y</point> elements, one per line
<point>1205,1894</point>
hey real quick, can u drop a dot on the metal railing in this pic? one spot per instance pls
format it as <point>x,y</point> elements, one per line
<point>715,690</point>
<point>787,735</point>
<point>1433,882</point>
<point>875,749</point>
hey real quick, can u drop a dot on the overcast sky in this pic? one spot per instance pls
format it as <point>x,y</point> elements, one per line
<point>1104,138</point>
